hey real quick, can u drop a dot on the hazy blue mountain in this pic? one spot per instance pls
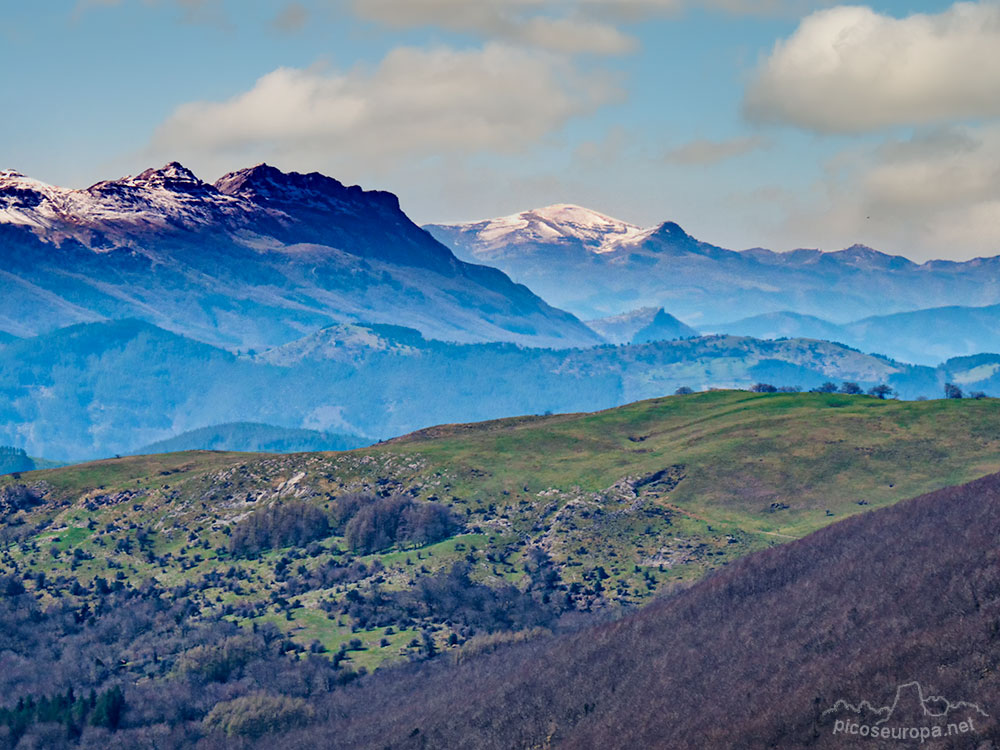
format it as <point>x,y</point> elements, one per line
<point>255,437</point>
<point>256,260</point>
<point>641,326</point>
<point>923,336</point>
<point>595,266</point>
<point>13,460</point>
<point>784,324</point>
<point>926,336</point>
<point>103,388</point>
<point>347,343</point>
<point>663,327</point>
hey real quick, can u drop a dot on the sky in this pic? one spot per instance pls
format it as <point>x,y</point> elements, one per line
<point>751,123</point>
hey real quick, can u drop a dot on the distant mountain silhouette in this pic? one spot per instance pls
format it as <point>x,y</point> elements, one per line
<point>376,380</point>
<point>924,337</point>
<point>641,326</point>
<point>255,437</point>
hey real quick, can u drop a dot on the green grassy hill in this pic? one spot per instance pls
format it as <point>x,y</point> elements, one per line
<point>743,454</point>
<point>625,504</point>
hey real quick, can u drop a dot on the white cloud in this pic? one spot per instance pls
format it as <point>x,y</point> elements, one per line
<point>937,170</point>
<point>941,190</point>
<point>574,26</point>
<point>704,152</point>
<point>572,35</point>
<point>525,22</point>
<point>415,103</point>
<point>935,195</point>
<point>849,69</point>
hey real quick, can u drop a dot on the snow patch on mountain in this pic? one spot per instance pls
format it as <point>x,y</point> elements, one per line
<point>257,259</point>
<point>559,222</point>
<point>107,215</point>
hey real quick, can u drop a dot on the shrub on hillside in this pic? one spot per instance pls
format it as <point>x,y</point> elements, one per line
<point>293,523</point>
<point>452,596</point>
<point>258,714</point>
<point>370,524</point>
<point>30,716</point>
<point>17,497</point>
<point>881,391</point>
<point>220,661</point>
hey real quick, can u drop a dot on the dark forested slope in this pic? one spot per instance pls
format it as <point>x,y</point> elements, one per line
<point>753,656</point>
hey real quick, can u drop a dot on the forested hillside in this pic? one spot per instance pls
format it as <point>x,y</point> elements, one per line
<point>217,597</point>
<point>757,655</point>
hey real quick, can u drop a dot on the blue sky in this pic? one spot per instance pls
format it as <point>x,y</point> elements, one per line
<point>775,123</point>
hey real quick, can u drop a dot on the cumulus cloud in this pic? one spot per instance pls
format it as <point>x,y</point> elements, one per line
<point>415,103</point>
<point>849,69</point>
<point>704,152</point>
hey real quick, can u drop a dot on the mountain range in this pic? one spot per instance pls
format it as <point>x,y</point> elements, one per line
<point>257,259</point>
<point>262,258</point>
<point>923,337</point>
<point>712,569</point>
<point>596,266</point>
<point>98,389</point>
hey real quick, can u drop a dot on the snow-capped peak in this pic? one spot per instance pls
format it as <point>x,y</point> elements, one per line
<point>101,215</point>
<point>171,175</point>
<point>28,202</point>
<point>248,180</point>
<point>171,178</point>
<point>139,211</point>
<point>569,213</point>
<point>11,179</point>
<point>558,222</point>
